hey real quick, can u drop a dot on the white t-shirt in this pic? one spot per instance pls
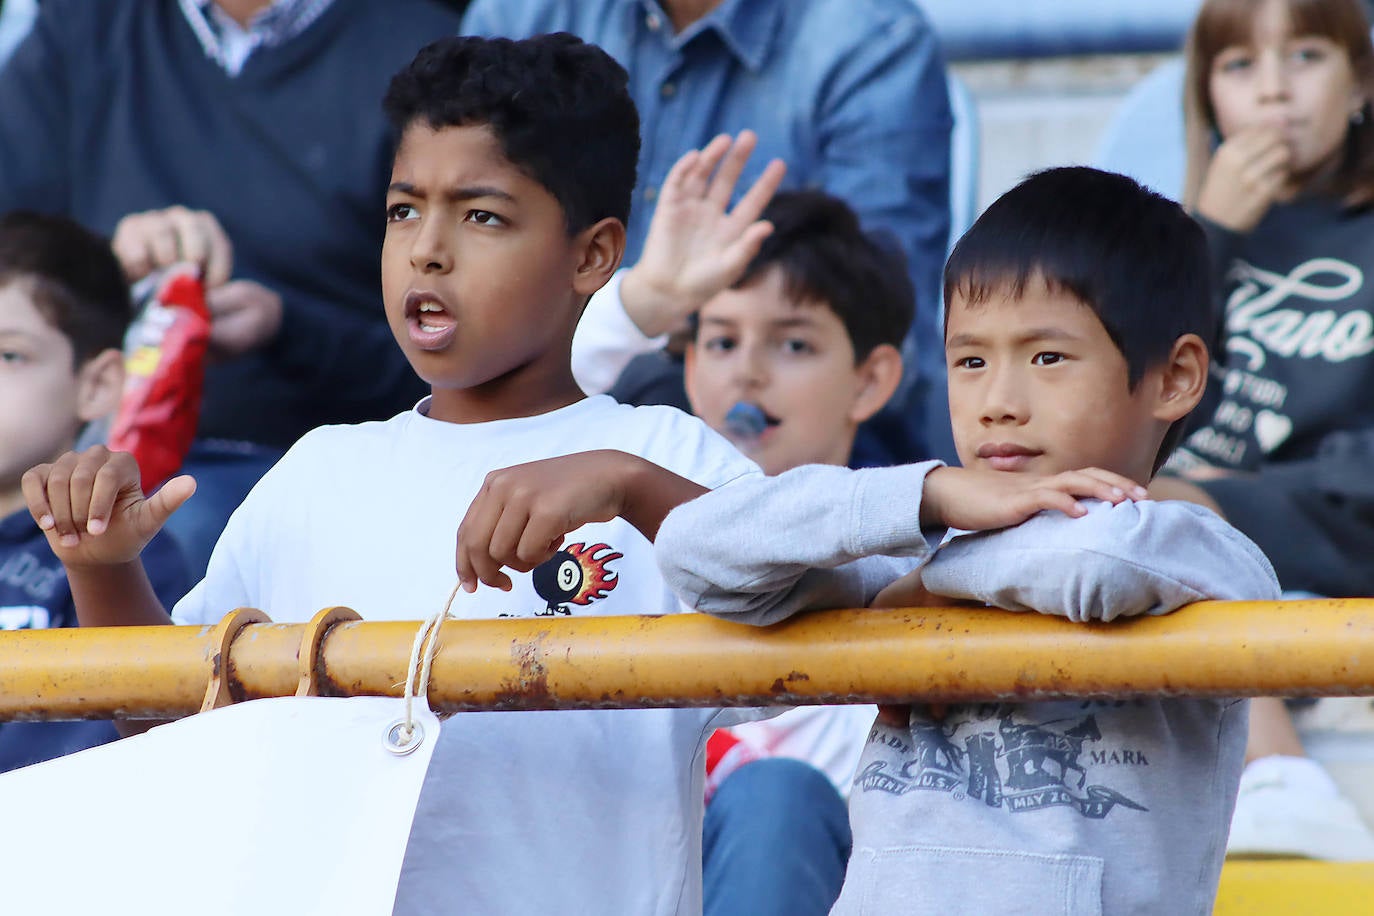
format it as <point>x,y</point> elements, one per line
<point>830,738</point>
<point>521,812</point>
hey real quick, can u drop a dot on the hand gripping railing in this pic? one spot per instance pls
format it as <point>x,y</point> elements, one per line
<point>1270,648</point>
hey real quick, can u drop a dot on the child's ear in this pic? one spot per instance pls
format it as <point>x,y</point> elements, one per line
<point>1182,379</point>
<point>601,246</point>
<point>878,376</point>
<point>99,384</point>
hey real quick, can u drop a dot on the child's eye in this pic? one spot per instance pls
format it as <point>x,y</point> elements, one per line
<point>11,357</point>
<point>969,362</point>
<point>796,346</point>
<point>1233,63</point>
<point>399,213</point>
<point>1047,359</point>
<point>1309,54</point>
<point>484,218</point>
<point>718,344</point>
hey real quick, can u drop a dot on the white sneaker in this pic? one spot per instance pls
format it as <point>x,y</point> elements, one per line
<point>1288,807</point>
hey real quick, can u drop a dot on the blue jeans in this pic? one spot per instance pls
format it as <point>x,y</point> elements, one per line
<point>224,471</point>
<point>776,841</point>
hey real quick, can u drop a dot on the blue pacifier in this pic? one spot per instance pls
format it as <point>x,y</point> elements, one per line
<point>746,420</point>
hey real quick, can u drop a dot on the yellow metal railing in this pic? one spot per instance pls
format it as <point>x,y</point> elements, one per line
<point>1315,648</point>
<point>1296,887</point>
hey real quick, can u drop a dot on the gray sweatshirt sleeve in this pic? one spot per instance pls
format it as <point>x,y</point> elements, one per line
<point>1134,558</point>
<point>761,549</point>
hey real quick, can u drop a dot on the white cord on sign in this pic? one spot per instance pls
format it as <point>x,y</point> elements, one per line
<point>421,660</point>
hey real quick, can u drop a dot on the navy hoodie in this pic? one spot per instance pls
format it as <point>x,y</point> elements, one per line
<point>1290,407</point>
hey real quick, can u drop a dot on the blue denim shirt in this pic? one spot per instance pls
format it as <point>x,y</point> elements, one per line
<point>850,94</point>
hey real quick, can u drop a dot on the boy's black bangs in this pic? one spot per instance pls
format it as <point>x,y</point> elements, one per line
<point>984,281</point>
<point>986,265</point>
<point>1133,257</point>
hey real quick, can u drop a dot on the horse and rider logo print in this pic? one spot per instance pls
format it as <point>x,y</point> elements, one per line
<point>1020,766</point>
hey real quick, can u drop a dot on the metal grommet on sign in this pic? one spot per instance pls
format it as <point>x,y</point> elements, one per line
<point>401,738</point>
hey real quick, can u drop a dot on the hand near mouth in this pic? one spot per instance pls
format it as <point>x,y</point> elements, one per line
<point>978,500</point>
<point>1245,177</point>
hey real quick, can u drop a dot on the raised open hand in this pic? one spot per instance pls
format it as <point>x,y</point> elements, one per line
<point>697,244</point>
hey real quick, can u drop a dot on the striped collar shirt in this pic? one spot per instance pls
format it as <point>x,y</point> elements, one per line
<point>229,44</point>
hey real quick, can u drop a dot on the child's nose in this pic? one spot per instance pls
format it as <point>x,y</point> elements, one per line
<point>1004,400</point>
<point>751,366</point>
<point>1271,77</point>
<point>429,254</point>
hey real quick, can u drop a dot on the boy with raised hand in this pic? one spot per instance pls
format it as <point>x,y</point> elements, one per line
<point>786,362</point>
<point>64,309</point>
<point>797,319</point>
<point>506,210</point>
<point>1075,306</point>
<point>803,345</point>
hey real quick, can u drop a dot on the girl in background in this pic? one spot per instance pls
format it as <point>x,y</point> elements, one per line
<point>1281,175</point>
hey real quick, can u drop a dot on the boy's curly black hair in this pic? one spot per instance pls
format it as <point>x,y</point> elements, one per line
<point>560,108</point>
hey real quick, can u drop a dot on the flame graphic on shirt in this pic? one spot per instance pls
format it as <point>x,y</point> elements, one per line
<point>574,575</point>
<point>597,580</point>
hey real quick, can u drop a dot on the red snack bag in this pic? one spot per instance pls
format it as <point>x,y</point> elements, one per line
<point>164,361</point>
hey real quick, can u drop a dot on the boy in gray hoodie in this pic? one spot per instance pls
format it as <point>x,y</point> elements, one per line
<point>1075,306</point>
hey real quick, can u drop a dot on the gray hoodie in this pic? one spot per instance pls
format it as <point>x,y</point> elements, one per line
<point>1067,807</point>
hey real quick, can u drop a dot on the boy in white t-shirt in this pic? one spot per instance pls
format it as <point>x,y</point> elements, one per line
<point>510,188</point>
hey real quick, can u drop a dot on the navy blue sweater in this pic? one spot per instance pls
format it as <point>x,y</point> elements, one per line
<point>1289,410</point>
<point>111,107</point>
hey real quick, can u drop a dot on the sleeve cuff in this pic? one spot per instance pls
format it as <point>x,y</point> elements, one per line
<point>887,510</point>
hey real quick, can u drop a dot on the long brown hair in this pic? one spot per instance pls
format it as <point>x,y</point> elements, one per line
<point>1223,23</point>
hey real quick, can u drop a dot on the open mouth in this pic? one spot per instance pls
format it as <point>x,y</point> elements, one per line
<point>429,322</point>
<point>431,311</point>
